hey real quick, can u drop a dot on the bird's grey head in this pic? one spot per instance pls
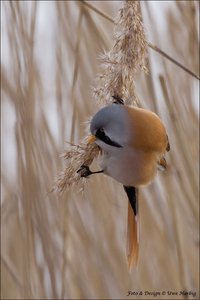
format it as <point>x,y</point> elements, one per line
<point>109,125</point>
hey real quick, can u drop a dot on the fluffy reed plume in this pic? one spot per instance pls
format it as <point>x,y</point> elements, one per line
<point>120,66</point>
<point>75,156</point>
<point>125,58</point>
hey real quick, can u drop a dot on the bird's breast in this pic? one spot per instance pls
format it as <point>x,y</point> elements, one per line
<point>130,167</point>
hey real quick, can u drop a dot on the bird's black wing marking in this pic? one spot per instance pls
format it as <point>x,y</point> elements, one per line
<point>132,194</point>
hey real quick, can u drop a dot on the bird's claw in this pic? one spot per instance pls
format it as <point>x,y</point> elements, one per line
<point>84,171</point>
<point>118,100</point>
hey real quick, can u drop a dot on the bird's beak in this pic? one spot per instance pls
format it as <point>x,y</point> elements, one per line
<point>91,139</point>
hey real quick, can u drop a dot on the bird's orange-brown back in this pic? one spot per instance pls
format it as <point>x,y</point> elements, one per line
<point>148,132</point>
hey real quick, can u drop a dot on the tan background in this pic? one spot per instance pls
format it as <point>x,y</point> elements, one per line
<point>73,246</point>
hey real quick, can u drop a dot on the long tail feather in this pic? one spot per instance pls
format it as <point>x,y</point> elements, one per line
<point>132,227</point>
<point>132,238</point>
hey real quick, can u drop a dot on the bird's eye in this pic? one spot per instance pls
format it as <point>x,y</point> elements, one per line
<point>100,134</point>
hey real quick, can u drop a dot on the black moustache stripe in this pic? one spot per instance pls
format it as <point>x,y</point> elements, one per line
<point>101,136</point>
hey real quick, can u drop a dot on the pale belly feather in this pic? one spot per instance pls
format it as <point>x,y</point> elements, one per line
<point>131,168</point>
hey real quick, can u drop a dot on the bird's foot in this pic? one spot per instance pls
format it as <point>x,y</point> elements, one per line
<point>118,100</point>
<point>85,171</point>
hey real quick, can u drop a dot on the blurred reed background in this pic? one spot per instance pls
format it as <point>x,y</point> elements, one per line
<point>72,246</point>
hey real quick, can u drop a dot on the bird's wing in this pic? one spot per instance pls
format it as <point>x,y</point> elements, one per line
<point>162,164</point>
<point>132,227</point>
<point>168,144</point>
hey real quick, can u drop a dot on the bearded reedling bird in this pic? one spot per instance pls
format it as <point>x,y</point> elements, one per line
<point>133,142</point>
